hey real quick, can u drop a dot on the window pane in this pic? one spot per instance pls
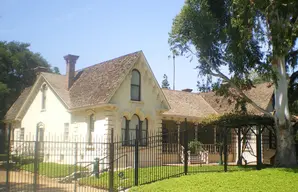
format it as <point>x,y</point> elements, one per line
<point>123,130</point>
<point>134,122</point>
<point>135,93</point>
<point>66,131</point>
<point>135,79</point>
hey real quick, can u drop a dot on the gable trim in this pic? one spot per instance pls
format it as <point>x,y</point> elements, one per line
<point>142,56</point>
<point>122,80</point>
<point>37,82</point>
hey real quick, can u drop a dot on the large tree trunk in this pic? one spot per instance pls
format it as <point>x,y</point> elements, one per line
<point>286,152</point>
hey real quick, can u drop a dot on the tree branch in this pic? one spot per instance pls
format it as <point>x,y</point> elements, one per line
<point>221,75</point>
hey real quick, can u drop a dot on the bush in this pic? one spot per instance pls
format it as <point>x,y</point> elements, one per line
<point>195,147</point>
<point>25,159</point>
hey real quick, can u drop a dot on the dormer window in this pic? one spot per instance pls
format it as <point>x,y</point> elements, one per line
<point>43,97</point>
<point>135,87</point>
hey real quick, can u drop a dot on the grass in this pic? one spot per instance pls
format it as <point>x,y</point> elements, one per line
<point>150,174</point>
<point>52,170</point>
<point>270,179</point>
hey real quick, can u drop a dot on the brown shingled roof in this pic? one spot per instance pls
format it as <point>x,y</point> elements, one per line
<point>96,84</point>
<point>261,95</point>
<point>187,104</point>
<point>93,85</point>
<point>14,109</point>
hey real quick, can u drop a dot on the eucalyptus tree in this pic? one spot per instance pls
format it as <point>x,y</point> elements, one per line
<point>244,36</point>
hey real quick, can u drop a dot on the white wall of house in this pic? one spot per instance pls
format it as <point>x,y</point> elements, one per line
<point>53,117</point>
<point>149,105</point>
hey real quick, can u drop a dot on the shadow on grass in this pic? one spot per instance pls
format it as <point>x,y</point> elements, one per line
<point>26,187</point>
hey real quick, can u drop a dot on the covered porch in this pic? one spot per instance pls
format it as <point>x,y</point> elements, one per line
<point>176,131</point>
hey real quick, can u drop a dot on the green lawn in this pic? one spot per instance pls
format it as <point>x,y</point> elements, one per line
<point>269,179</point>
<point>51,169</point>
<point>150,174</point>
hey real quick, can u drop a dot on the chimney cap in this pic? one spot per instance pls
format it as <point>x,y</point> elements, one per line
<point>71,58</point>
<point>187,90</point>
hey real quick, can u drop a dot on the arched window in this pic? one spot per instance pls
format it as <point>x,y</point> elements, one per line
<point>144,133</point>
<point>43,97</point>
<point>135,86</point>
<point>90,128</point>
<point>133,126</point>
<point>124,128</point>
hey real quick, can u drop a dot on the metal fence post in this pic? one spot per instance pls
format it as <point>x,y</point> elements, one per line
<point>75,166</point>
<point>259,148</point>
<point>8,157</point>
<point>185,148</point>
<point>111,163</point>
<point>239,162</point>
<point>137,157</point>
<point>225,150</point>
<point>36,158</point>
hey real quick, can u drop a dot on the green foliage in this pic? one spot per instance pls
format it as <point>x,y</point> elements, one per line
<point>56,70</point>
<point>195,147</point>
<point>149,174</point>
<point>242,36</point>
<point>16,71</point>
<point>24,159</point>
<point>273,180</point>
<point>233,119</point>
<point>165,82</point>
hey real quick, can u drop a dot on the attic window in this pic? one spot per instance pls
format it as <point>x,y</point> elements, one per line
<point>135,87</point>
<point>44,97</point>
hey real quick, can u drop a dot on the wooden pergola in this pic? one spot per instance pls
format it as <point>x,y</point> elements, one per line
<point>241,124</point>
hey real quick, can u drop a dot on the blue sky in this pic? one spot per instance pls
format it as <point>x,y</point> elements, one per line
<point>98,30</point>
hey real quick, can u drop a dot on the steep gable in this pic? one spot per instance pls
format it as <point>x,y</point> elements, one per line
<point>96,84</point>
<point>151,92</point>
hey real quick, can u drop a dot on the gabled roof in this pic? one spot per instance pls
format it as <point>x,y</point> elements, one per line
<point>187,104</point>
<point>204,104</point>
<point>261,95</point>
<point>14,109</point>
<point>95,85</point>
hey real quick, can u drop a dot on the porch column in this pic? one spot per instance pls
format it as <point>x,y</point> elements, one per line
<point>196,132</point>
<point>214,135</point>
<point>214,138</point>
<point>178,135</point>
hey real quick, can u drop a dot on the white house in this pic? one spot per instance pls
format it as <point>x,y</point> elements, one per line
<point>118,94</point>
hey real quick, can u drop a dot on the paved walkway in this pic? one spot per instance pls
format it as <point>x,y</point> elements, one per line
<point>21,181</point>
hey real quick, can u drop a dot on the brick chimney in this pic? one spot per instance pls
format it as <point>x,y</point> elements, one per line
<point>187,90</point>
<point>70,69</point>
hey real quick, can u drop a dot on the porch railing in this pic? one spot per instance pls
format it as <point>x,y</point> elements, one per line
<point>211,148</point>
<point>169,147</point>
<point>214,148</point>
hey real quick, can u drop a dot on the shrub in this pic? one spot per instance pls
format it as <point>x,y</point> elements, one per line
<point>195,147</point>
<point>25,159</point>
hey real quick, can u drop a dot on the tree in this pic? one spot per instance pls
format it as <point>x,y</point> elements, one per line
<point>244,36</point>
<point>165,82</point>
<point>56,70</point>
<point>17,64</point>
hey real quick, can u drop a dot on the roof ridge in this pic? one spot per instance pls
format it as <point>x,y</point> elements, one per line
<point>109,60</point>
<point>208,104</point>
<point>52,73</point>
<point>180,91</point>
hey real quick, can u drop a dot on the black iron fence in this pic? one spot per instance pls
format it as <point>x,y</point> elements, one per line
<point>113,164</point>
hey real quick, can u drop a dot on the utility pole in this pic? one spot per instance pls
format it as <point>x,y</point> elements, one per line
<point>173,71</point>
